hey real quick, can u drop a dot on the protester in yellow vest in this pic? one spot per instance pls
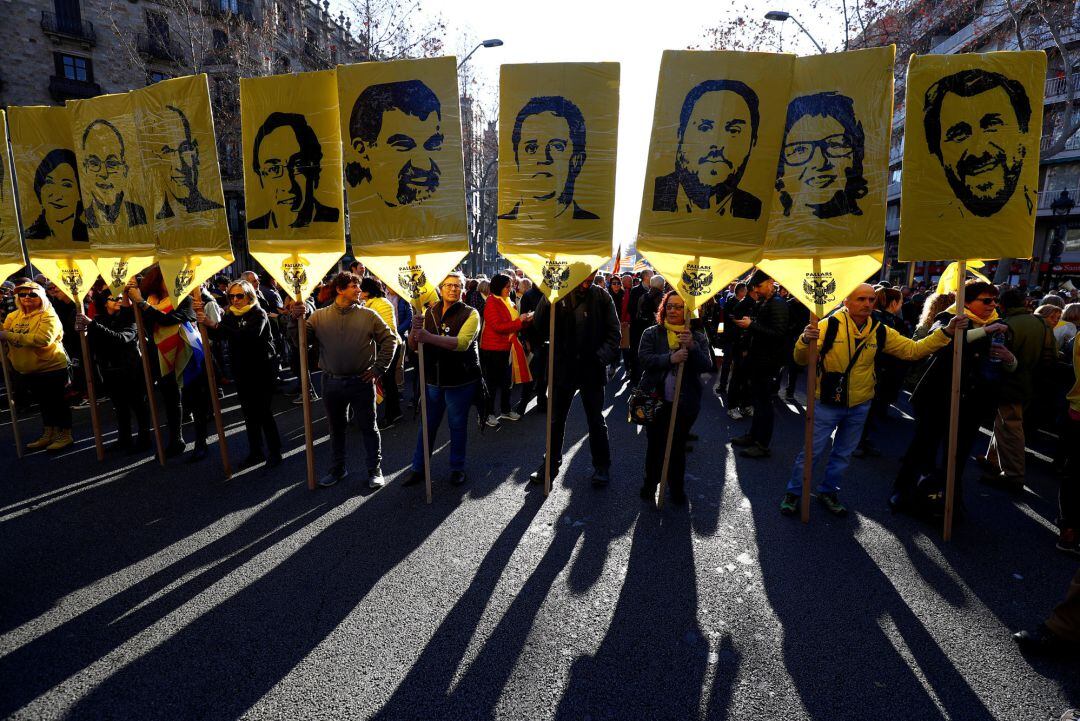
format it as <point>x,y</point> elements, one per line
<point>846,382</point>
<point>34,345</point>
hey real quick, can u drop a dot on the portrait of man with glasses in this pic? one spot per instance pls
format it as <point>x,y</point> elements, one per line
<point>820,172</point>
<point>106,168</point>
<point>176,162</point>
<point>287,160</point>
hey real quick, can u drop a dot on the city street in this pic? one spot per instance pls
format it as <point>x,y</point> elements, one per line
<point>136,592</point>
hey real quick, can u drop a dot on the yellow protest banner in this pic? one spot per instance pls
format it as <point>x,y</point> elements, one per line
<point>709,183</point>
<point>176,132</point>
<point>827,224</point>
<point>11,252</point>
<point>558,135</point>
<point>971,155</point>
<point>403,169</point>
<point>114,188</point>
<point>292,176</point>
<point>46,170</point>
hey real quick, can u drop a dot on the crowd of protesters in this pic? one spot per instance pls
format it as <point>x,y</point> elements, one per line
<point>485,343</point>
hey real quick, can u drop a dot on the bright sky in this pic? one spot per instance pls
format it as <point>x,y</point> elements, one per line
<point>633,34</point>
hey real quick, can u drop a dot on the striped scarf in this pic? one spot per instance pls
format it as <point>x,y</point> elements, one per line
<point>180,350</point>
<point>519,362</point>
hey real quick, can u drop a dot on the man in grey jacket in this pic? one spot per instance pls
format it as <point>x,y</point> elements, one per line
<point>355,347</point>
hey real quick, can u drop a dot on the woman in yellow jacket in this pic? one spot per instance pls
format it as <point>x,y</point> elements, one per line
<point>34,346</point>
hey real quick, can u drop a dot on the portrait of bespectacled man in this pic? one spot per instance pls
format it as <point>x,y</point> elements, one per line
<point>177,164</point>
<point>549,141</point>
<point>105,163</point>
<point>718,126</point>
<point>287,160</point>
<point>977,125</point>
<point>395,131</point>
<point>820,171</point>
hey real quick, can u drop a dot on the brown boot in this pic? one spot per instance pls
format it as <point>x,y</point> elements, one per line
<point>61,440</point>
<point>47,436</point>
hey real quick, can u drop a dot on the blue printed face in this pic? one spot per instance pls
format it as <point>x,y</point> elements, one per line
<point>817,159</point>
<point>403,165</point>
<point>543,156</point>
<point>717,140</point>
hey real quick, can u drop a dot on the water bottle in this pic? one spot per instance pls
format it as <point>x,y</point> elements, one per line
<point>997,339</point>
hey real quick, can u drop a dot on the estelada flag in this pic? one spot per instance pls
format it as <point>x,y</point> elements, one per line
<point>53,224</point>
<point>403,170</point>
<point>710,178</point>
<point>971,155</point>
<point>11,252</point>
<point>292,176</point>
<point>114,188</point>
<point>558,135</point>
<point>176,131</point>
<point>827,224</point>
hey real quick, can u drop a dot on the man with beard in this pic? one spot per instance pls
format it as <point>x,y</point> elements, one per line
<point>286,152</point>
<point>976,124</point>
<point>718,128</point>
<point>396,130</point>
<point>176,156</point>
<point>549,151</point>
<point>106,165</point>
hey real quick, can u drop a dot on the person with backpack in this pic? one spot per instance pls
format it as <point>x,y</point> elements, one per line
<point>848,342</point>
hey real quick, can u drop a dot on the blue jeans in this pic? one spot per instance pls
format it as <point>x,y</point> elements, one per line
<point>455,402</point>
<point>848,424</point>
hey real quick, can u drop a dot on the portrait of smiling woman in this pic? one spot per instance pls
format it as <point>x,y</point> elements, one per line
<point>56,185</point>
<point>821,161</point>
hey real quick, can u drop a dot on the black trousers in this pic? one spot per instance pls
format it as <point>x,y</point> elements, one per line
<point>391,394</point>
<point>498,375</point>
<point>128,395</point>
<point>256,394</point>
<point>656,435</point>
<point>1069,490</point>
<point>793,371</point>
<point>194,399</point>
<point>537,387</point>
<point>592,400</point>
<point>47,389</point>
<point>931,443</point>
<point>739,390</point>
<point>763,384</point>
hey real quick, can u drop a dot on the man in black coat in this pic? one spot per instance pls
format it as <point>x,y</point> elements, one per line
<point>798,318</point>
<point>534,342</point>
<point>768,351</point>
<point>587,335</point>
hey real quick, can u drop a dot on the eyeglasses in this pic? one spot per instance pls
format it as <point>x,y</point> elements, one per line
<point>676,307</point>
<point>94,165</point>
<point>275,170</point>
<point>234,296</point>
<point>452,285</point>
<point>834,146</point>
<point>986,301</point>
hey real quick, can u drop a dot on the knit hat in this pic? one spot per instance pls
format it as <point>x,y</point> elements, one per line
<point>758,278</point>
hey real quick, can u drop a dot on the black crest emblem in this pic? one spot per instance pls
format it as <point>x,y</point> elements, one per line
<point>821,287</point>
<point>556,274</point>
<point>697,279</point>
<point>183,280</point>
<point>73,280</point>
<point>295,276</point>
<point>119,273</point>
<point>412,280</point>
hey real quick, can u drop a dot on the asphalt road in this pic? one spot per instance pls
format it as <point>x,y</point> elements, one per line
<point>136,592</point>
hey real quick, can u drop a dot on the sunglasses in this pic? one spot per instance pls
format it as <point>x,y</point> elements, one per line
<point>26,295</point>
<point>114,299</point>
<point>986,301</point>
<point>237,295</point>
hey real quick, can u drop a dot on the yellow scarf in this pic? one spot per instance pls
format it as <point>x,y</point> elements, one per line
<point>978,322</point>
<point>673,335</point>
<point>241,310</point>
<point>514,315</point>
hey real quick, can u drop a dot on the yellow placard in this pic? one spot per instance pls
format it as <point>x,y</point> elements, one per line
<point>292,176</point>
<point>709,183</point>
<point>971,155</point>
<point>46,170</point>
<point>401,127</point>
<point>11,252</point>
<point>176,132</point>
<point>558,137</point>
<point>832,176</point>
<point>114,188</point>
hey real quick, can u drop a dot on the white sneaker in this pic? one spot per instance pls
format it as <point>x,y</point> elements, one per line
<point>734,414</point>
<point>511,416</point>
<point>492,422</point>
<point>376,480</point>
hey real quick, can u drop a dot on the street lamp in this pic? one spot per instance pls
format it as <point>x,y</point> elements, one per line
<point>492,43</point>
<point>781,16</point>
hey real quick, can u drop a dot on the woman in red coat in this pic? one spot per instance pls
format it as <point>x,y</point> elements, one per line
<point>502,357</point>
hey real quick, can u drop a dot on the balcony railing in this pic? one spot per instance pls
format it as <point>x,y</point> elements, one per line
<point>157,47</point>
<point>1047,197</point>
<point>1072,143</point>
<point>62,88</point>
<point>223,8</point>
<point>60,28</point>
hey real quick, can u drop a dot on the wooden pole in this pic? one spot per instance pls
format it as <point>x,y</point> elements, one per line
<point>424,429</point>
<point>670,434</point>
<point>305,393</point>
<point>148,378</point>
<point>10,390</point>
<point>550,399</point>
<point>808,441</point>
<point>215,402</point>
<point>91,394</point>
<point>954,404</point>
<point>910,274</point>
